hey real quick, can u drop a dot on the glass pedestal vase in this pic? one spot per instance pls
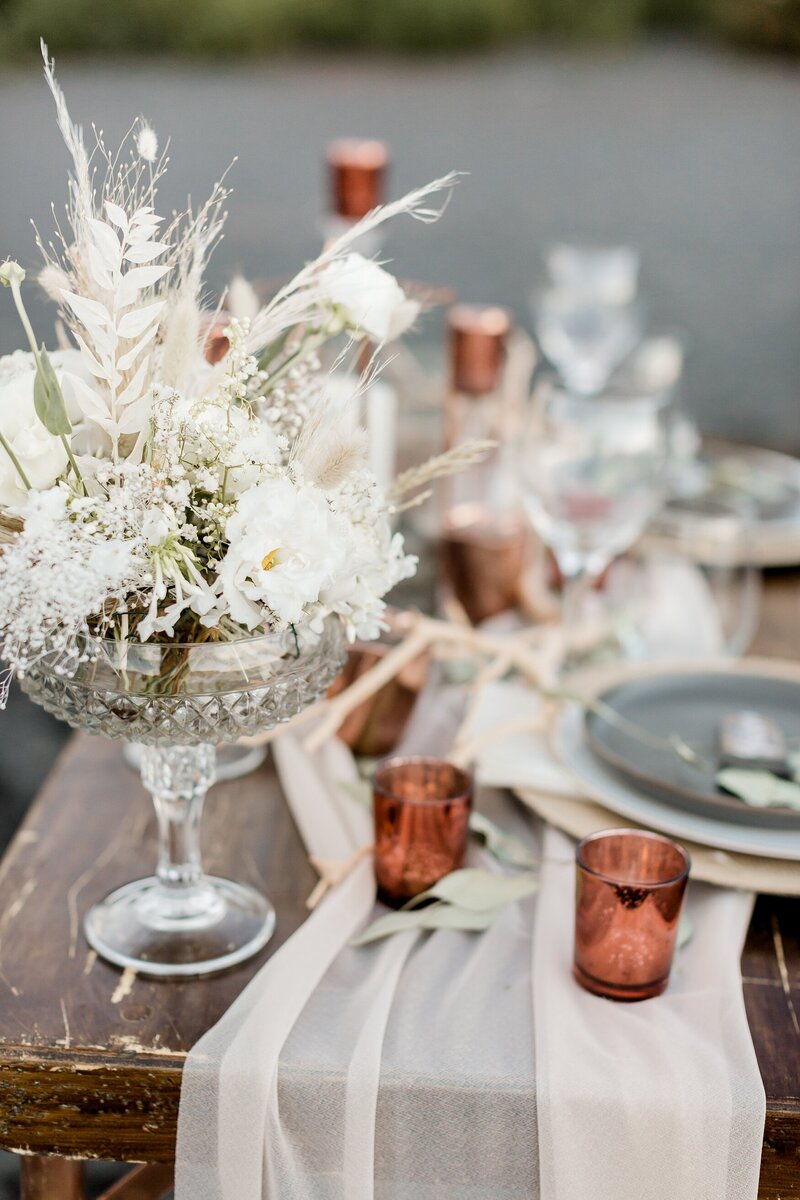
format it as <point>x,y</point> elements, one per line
<point>232,761</point>
<point>179,702</point>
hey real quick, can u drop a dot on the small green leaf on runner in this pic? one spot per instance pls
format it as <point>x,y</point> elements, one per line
<point>478,891</point>
<point>359,790</point>
<point>504,846</point>
<point>760,789</point>
<point>48,399</point>
<point>436,916</point>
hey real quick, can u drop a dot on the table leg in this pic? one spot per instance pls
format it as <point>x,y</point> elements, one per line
<point>150,1182</point>
<point>44,1178</point>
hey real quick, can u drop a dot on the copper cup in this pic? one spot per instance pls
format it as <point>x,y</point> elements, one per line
<point>422,808</point>
<point>630,887</point>
<point>373,729</point>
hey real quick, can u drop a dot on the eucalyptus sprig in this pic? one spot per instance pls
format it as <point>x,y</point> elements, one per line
<point>48,399</point>
<point>468,900</point>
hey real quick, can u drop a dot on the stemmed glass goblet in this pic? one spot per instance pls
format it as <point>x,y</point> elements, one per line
<point>593,472</point>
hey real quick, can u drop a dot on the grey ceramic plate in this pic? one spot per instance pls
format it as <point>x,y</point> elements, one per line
<point>691,705</point>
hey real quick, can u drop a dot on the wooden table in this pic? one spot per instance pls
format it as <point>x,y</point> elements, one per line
<point>91,1058</point>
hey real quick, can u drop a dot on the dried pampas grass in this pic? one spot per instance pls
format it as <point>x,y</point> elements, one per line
<point>460,458</point>
<point>326,454</point>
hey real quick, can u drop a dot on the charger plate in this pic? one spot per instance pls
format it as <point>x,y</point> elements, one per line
<point>597,781</point>
<point>579,818</point>
<point>692,706</point>
<point>765,860</point>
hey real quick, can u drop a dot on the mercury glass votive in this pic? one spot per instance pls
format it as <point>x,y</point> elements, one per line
<point>422,808</point>
<point>629,891</point>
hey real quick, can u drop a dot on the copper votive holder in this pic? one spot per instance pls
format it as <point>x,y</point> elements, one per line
<point>422,808</point>
<point>374,728</point>
<point>630,887</point>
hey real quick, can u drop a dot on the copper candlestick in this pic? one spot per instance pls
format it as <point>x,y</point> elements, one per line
<point>356,171</point>
<point>630,887</point>
<point>422,808</point>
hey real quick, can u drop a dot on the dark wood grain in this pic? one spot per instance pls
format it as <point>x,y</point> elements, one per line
<point>91,1059</point>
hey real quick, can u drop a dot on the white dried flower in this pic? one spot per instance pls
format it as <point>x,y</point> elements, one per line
<point>368,299</point>
<point>54,281</point>
<point>147,143</point>
<point>11,273</point>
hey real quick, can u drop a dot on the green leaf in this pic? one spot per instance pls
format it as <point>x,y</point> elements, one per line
<point>761,789</point>
<point>359,790</point>
<point>48,399</point>
<point>504,846</point>
<point>793,760</point>
<point>272,351</point>
<point>478,891</point>
<point>436,916</point>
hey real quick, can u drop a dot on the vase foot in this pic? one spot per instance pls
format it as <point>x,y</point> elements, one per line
<point>150,929</point>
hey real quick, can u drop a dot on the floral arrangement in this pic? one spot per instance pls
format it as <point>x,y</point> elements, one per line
<point>148,494</point>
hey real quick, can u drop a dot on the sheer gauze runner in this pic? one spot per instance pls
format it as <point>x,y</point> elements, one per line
<point>449,1066</point>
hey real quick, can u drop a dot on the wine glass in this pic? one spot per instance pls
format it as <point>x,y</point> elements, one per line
<point>607,274</point>
<point>583,337</point>
<point>593,473</point>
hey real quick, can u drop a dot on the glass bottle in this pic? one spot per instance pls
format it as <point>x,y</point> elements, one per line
<point>483,533</point>
<point>357,169</point>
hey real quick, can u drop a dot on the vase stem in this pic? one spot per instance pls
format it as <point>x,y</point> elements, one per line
<point>178,778</point>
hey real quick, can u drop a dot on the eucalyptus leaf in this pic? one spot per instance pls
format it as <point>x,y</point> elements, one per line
<point>48,399</point>
<point>359,790</point>
<point>761,789</point>
<point>504,846</point>
<point>793,760</point>
<point>435,916</point>
<point>478,891</point>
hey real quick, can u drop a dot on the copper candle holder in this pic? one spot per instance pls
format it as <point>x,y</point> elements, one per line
<point>357,168</point>
<point>373,729</point>
<point>630,887</point>
<point>422,808</point>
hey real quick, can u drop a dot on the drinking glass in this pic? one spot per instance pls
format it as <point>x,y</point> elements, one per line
<point>593,473</point>
<point>630,887</point>
<point>714,528</point>
<point>584,338</point>
<point>422,808</point>
<point>607,274</point>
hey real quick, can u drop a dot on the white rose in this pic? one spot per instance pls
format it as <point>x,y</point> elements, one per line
<point>285,546</point>
<point>369,298</point>
<point>41,455</point>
